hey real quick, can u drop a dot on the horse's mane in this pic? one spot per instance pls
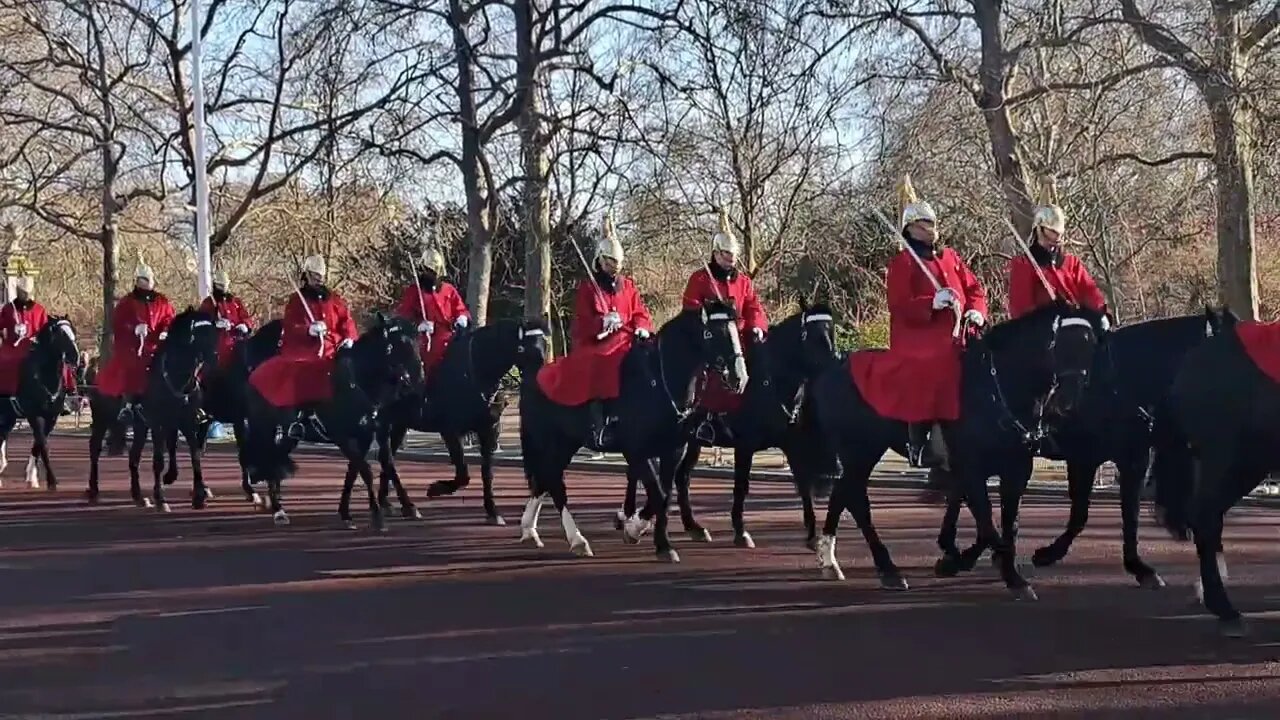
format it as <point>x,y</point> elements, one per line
<point>711,306</point>
<point>1005,332</point>
<point>187,318</point>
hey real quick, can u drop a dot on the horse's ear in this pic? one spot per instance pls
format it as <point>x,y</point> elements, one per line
<point>804,303</point>
<point>379,318</point>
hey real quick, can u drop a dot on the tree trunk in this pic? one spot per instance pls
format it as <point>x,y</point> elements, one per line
<point>1233,125</point>
<point>533,146</point>
<point>1006,153</point>
<point>474,182</point>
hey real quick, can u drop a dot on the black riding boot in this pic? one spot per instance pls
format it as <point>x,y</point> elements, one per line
<point>296,431</point>
<point>600,435</point>
<point>919,454</point>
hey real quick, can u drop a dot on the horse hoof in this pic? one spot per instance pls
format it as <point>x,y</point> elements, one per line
<point>411,512</point>
<point>1152,582</point>
<point>619,520</point>
<point>1043,557</point>
<point>1026,593</point>
<point>348,524</point>
<point>745,541</point>
<point>893,582</point>
<point>634,529</point>
<point>91,497</point>
<point>386,507</point>
<point>280,518</point>
<point>581,547</point>
<point>832,572</point>
<point>52,486</point>
<point>946,567</point>
<point>495,520</point>
<point>208,494</point>
<point>254,499</point>
<point>163,508</point>
<point>811,543</point>
<point>143,503</point>
<point>700,535</point>
<point>1234,628</point>
<point>530,537</point>
<point>669,556</point>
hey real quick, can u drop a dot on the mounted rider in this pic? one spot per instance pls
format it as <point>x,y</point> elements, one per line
<point>21,320</point>
<point>1064,272</point>
<point>437,307</point>
<point>921,324</point>
<point>233,320</point>
<point>140,321</point>
<point>312,334</point>
<point>720,279</point>
<point>608,314</point>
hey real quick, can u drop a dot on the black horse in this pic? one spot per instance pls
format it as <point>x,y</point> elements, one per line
<point>226,400</point>
<point>796,350</point>
<point>463,395</point>
<point>1225,411</point>
<point>1012,377</point>
<point>1132,372</point>
<point>174,401</point>
<point>41,396</point>
<point>655,394</point>
<point>106,424</point>
<point>381,367</point>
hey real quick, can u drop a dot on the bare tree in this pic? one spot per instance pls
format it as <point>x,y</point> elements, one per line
<point>1232,35</point>
<point>74,76</point>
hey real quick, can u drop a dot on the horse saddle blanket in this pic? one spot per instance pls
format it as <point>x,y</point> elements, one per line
<point>908,387</point>
<point>1261,342</point>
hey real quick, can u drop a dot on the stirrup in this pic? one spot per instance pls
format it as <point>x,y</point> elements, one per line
<point>126,413</point>
<point>296,431</point>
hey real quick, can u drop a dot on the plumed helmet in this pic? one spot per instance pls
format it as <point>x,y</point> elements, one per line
<point>221,279</point>
<point>911,207</point>
<point>143,271</point>
<point>1050,216</point>
<point>608,246</point>
<point>314,264</point>
<point>724,240</point>
<point>433,259</point>
<point>25,283</point>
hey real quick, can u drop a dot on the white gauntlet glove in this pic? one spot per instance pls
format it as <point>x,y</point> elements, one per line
<point>973,317</point>
<point>426,327</point>
<point>944,298</point>
<point>612,322</point>
<point>317,329</point>
<point>20,330</point>
<point>141,330</point>
<point>345,344</point>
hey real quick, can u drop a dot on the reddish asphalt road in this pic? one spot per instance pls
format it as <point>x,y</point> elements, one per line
<point>118,612</point>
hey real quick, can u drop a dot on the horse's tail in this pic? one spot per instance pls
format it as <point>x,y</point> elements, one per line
<point>1173,477</point>
<point>815,462</point>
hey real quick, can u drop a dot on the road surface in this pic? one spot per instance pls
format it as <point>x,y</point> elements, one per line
<point>117,612</point>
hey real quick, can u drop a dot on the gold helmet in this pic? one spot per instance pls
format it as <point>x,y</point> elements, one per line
<point>608,246</point>
<point>433,259</point>
<point>314,264</point>
<point>222,280</point>
<point>724,240</point>
<point>911,207</point>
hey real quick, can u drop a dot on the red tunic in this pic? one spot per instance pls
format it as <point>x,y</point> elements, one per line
<point>1261,342</point>
<point>918,378</point>
<point>444,307</point>
<point>591,369</point>
<point>14,348</point>
<point>125,374</point>
<point>714,395</point>
<point>1071,282</point>
<point>233,311</point>
<point>301,373</point>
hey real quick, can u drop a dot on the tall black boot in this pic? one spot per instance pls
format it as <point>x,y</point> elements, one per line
<point>597,437</point>
<point>919,454</point>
